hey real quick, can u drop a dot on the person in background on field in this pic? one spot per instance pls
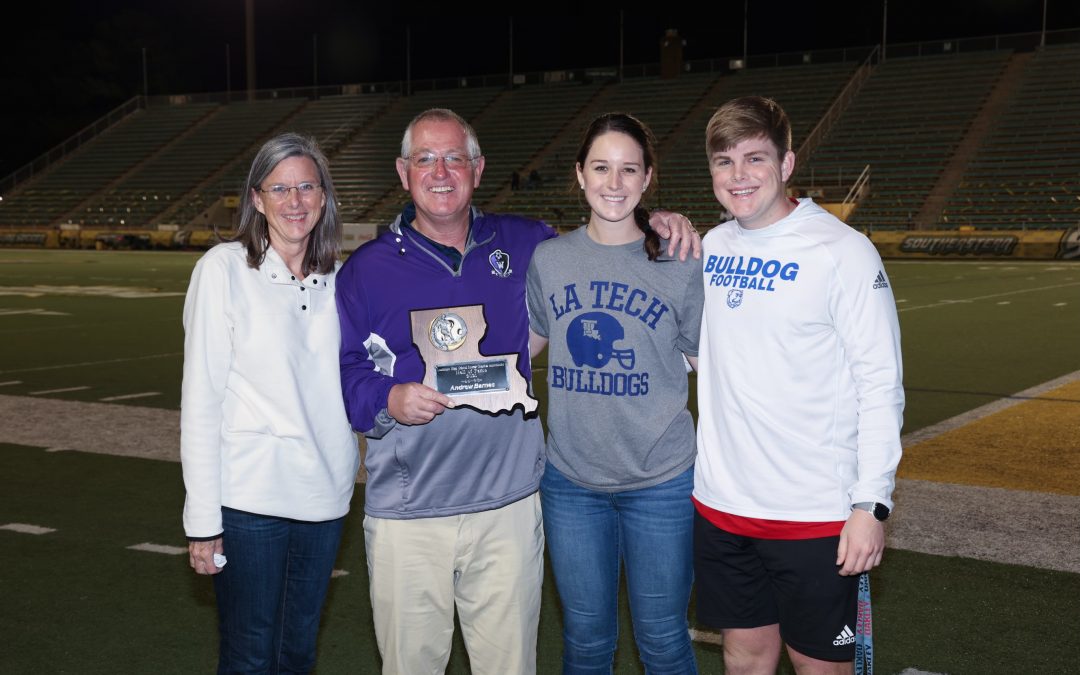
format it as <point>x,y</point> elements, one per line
<point>620,452</point>
<point>269,459</point>
<point>452,519</point>
<point>800,403</point>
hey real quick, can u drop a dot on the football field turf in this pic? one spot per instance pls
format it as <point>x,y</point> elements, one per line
<point>982,575</point>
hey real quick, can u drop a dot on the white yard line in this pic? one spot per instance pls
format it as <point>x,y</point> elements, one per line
<point>125,292</point>
<point>36,311</point>
<point>707,636</point>
<point>1008,526</point>
<point>26,528</point>
<point>982,264</point>
<point>158,548</point>
<point>57,391</point>
<point>125,397</point>
<point>946,303</point>
<point>92,363</point>
<point>963,419</point>
<point>10,382</point>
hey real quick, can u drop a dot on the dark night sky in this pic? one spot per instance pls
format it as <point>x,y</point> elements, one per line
<point>66,63</point>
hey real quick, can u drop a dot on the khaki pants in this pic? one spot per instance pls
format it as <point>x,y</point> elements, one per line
<point>490,565</point>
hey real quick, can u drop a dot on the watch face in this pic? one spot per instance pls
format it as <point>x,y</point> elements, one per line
<point>881,512</point>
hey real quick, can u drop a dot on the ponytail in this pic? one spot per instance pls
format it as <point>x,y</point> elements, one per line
<point>652,239</point>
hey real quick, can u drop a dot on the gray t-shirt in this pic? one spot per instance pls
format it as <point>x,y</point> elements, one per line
<point>618,326</point>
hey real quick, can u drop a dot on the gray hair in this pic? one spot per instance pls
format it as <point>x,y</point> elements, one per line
<point>325,241</point>
<point>472,144</point>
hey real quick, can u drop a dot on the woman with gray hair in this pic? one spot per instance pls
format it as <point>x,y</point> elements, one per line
<point>269,458</point>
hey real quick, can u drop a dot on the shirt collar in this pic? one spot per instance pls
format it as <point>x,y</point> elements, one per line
<point>276,271</point>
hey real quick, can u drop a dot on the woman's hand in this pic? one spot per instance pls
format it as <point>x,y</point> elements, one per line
<point>201,555</point>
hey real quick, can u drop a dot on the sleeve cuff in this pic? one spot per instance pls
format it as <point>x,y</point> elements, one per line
<point>216,536</point>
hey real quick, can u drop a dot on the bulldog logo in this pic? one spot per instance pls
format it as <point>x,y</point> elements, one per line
<point>500,263</point>
<point>734,298</point>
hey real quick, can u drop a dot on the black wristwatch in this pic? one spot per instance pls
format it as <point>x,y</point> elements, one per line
<point>876,509</point>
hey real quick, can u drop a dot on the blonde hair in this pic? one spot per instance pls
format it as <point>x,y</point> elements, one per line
<point>748,117</point>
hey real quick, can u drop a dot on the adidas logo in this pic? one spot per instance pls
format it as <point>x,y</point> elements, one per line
<point>881,281</point>
<point>845,637</point>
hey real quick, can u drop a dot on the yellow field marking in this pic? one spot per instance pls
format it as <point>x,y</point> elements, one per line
<point>1033,445</point>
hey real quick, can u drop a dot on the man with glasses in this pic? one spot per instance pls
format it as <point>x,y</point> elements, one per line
<point>452,513</point>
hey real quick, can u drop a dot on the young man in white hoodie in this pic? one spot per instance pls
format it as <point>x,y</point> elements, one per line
<point>800,405</point>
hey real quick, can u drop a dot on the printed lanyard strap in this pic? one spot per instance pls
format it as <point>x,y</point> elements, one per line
<point>864,630</point>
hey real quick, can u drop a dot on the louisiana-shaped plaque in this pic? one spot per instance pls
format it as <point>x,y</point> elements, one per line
<point>449,342</point>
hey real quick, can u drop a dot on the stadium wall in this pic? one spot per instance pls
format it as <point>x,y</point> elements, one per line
<point>981,244</point>
<point>924,244</point>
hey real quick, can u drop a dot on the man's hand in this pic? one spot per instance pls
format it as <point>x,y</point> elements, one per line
<point>680,233</point>
<point>413,403</point>
<point>862,542</point>
<point>201,555</point>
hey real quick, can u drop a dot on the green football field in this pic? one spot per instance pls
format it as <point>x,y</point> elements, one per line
<point>97,338</point>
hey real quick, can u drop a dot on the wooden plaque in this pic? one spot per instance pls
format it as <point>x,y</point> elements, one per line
<point>449,342</point>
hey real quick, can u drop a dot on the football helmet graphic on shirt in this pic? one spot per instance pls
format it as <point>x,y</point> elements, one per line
<point>591,340</point>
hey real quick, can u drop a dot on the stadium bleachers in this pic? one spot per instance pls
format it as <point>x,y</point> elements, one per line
<point>805,92</point>
<point>332,121</point>
<point>179,166</point>
<point>1027,172</point>
<point>99,163</point>
<point>522,124</point>
<point>905,123</point>
<point>368,186</point>
<point>677,111</point>
<point>660,103</point>
<point>1019,165</point>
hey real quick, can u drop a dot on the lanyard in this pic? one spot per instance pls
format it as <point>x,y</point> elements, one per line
<point>864,630</point>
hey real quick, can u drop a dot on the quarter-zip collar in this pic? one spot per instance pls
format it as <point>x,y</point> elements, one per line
<point>479,234</point>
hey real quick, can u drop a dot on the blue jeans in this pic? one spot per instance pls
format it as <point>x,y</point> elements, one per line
<point>651,531</point>
<point>271,591</point>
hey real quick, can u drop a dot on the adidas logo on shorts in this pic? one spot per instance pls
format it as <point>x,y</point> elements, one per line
<point>845,637</point>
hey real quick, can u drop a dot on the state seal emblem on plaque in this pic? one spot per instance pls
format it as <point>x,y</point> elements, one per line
<point>448,331</point>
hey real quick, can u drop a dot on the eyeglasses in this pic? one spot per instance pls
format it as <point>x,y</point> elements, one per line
<point>428,161</point>
<point>280,193</point>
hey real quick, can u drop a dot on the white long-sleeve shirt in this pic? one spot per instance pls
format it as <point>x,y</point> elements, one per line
<point>800,393</point>
<point>262,423</point>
